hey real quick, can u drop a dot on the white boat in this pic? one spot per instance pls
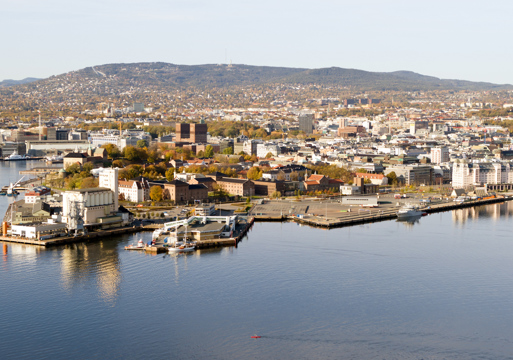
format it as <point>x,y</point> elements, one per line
<point>16,157</point>
<point>184,246</point>
<point>408,211</point>
<point>55,158</point>
<point>139,246</point>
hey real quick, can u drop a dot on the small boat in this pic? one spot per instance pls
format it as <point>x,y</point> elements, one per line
<point>256,337</point>
<point>138,246</point>
<point>3,193</point>
<point>408,210</point>
<point>184,246</point>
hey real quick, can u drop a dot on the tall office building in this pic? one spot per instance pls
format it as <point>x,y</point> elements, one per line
<point>439,155</point>
<point>138,107</point>
<point>191,133</point>
<point>306,123</point>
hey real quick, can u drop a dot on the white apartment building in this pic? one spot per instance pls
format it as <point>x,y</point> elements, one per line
<point>99,139</point>
<point>439,155</point>
<point>465,174</point>
<point>134,191</point>
<point>108,178</point>
<point>264,149</point>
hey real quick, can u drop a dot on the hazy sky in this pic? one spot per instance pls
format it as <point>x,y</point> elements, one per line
<point>467,39</point>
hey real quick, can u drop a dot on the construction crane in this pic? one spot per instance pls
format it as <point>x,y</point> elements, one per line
<point>10,189</point>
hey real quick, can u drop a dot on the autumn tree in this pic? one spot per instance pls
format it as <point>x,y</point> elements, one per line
<point>254,173</point>
<point>170,174</point>
<point>112,151</point>
<point>89,182</point>
<point>156,193</point>
<point>276,195</point>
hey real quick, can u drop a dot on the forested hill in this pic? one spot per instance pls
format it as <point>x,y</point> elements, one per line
<point>10,82</point>
<point>165,76</point>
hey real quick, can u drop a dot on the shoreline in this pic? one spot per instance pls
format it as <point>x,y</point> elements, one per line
<point>390,214</point>
<point>310,220</point>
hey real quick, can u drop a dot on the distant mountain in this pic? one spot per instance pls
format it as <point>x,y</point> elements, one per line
<point>165,76</point>
<point>17,82</point>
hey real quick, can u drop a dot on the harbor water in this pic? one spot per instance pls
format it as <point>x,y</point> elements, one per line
<point>437,288</point>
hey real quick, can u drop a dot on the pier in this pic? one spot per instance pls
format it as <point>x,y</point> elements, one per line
<point>240,231</point>
<point>63,240</point>
<point>361,216</point>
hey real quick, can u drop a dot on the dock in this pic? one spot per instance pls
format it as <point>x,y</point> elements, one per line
<point>374,215</point>
<point>244,227</point>
<point>63,240</point>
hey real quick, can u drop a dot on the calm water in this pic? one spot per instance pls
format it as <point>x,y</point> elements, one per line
<point>441,288</point>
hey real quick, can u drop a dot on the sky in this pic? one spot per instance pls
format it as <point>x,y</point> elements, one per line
<point>451,39</point>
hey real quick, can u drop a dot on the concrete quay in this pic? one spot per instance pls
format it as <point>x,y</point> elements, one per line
<point>334,215</point>
<point>89,237</point>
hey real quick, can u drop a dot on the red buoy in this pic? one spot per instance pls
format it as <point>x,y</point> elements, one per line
<point>256,337</point>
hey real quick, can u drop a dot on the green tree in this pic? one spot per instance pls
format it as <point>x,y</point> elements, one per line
<point>73,168</point>
<point>269,155</point>
<point>142,143</point>
<point>156,193</point>
<point>209,151</point>
<point>392,178</point>
<point>131,153</point>
<point>228,151</point>
<point>88,167</point>
<point>170,174</point>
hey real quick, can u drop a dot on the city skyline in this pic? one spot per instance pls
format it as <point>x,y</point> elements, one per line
<point>445,40</point>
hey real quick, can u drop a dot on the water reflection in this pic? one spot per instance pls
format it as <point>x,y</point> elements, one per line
<point>409,222</point>
<point>81,263</point>
<point>29,252</point>
<point>494,211</point>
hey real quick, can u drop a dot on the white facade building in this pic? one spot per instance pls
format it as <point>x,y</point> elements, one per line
<point>97,203</point>
<point>133,191</point>
<point>465,174</point>
<point>439,155</point>
<point>264,149</point>
<point>108,178</point>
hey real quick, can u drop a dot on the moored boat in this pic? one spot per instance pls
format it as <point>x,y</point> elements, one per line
<point>16,157</point>
<point>408,211</point>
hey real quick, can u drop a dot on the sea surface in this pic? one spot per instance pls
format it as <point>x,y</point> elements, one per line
<point>440,288</point>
